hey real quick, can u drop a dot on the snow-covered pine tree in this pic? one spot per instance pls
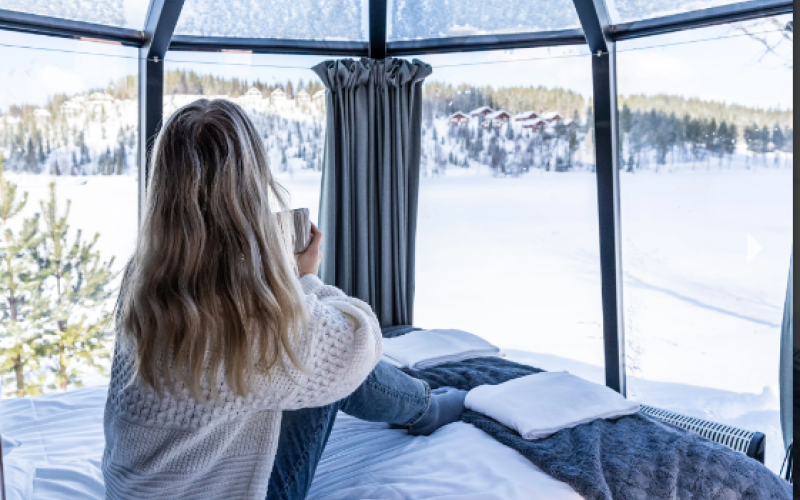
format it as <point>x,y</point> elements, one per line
<point>766,139</point>
<point>75,165</point>
<point>31,162</point>
<point>20,310</point>
<point>77,289</point>
<point>120,161</point>
<point>40,156</point>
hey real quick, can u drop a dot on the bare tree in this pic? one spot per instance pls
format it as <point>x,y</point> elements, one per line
<point>774,36</point>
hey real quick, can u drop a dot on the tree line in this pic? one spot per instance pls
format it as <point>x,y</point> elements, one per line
<point>181,81</point>
<point>658,138</point>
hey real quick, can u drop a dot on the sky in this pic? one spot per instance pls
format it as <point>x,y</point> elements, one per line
<point>730,69</point>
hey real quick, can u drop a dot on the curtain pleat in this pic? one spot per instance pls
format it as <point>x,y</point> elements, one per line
<point>370,181</point>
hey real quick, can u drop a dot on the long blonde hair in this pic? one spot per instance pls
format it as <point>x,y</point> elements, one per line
<point>211,284</point>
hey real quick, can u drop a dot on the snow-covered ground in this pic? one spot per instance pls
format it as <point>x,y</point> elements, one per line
<point>516,261</point>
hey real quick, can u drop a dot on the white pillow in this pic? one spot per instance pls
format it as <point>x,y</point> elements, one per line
<point>427,348</point>
<point>540,405</point>
<point>8,444</point>
<point>18,475</point>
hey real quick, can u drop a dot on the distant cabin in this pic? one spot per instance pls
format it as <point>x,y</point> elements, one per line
<point>253,94</point>
<point>482,111</point>
<point>536,124</point>
<point>72,107</point>
<point>570,123</point>
<point>303,97</point>
<point>501,116</point>
<point>101,97</point>
<point>459,118</point>
<point>496,119</point>
<point>253,98</point>
<point>551,117</point>
<point>100,100</point>
<point>41,115</point>
<point>526,115</point>
<point>278,96</point>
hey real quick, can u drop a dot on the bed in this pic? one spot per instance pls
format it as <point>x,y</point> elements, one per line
<point>628,456</point>
<point>63,436</point>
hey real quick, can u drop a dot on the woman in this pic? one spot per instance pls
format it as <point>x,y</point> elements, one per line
<point>232,357</point>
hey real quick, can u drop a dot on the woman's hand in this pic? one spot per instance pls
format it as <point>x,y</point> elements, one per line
<point>308,261</point>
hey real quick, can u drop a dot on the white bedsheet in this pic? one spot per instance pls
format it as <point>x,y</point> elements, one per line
<point>366,461</point>
<point>63,436</point>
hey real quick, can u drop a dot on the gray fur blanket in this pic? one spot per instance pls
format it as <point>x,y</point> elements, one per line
<point>630,458</point>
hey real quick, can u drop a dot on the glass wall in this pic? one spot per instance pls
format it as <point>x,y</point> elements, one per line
<point>281,94</point>
<point>706,192</point>
<point>120,13</point>
<point>624,11</point>
<point>68,135</point>
<point>507,241</point>
<point>418,19</point>
<point>288,19</point>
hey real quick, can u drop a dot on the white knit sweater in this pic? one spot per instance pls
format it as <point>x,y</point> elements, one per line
<point>177,448</point>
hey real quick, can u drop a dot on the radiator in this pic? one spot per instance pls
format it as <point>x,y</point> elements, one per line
<point>752,444</point>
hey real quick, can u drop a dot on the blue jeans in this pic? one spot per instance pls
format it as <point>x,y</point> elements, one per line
<point>387,395</point>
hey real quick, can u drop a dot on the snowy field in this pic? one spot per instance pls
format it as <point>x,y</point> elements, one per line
<point>515,260</point>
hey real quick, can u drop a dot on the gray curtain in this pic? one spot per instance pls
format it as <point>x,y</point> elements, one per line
<point>370,181</point>
<point>789,358</point>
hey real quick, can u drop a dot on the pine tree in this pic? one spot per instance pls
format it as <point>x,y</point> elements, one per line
<point>711,137</point>
<point>121,160</point>
<point>765,140</point>
<point>751,139</point>
<point>31,163</point>
<point>40,156</point>
<point>724,137</point>
<point>20,333</point>
<point>730,143</point>
<point>778,139</point>
<point>76,289</point>
<point>788,135</point>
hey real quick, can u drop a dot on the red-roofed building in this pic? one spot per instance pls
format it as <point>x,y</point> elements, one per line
<point>526,115</point>
<point>458,118</point>
<point>551,117</point>
<point>482,111</point>
<point>496,119</point>
<point>537,124</point>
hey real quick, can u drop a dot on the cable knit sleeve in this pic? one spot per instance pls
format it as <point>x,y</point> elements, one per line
<point>342,345</point>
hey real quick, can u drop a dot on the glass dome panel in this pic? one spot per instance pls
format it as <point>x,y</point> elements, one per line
<point>119,13</point>
<point>506,165</point>
<point>421,19</point>
<point>625,11</point>
<point>706,187</point>
<point>344,20</point>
